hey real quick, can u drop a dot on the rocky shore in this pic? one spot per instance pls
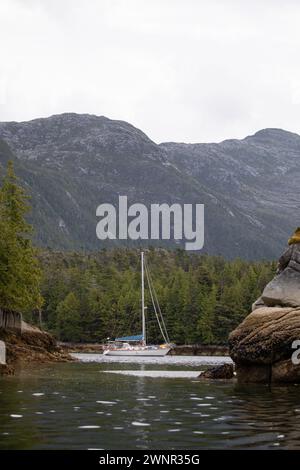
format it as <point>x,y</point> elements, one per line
<point>199,350</point>
<point>30,346</point>
<point>264,345</point>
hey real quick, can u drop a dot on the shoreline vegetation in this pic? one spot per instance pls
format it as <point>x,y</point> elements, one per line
<point>90,297</point>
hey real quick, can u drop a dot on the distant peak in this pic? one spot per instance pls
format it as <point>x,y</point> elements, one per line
<point>273,132</point>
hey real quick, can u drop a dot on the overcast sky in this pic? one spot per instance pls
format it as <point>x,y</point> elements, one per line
<point>181,70</point>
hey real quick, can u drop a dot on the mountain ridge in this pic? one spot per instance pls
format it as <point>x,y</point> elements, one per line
<point>70,163</point>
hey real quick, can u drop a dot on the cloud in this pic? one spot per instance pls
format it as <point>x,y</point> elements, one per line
<point>198,70</point>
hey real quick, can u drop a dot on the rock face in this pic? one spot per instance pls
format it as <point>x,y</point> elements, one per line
<point>225,371</point>
<point>284,289</point>
<point>262,346</point>
<point>30,346</point>
<point>71,163</point>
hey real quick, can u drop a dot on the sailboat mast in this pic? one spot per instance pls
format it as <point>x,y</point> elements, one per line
<point>143,300</point>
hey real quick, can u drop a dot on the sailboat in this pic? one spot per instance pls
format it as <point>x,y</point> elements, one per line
<point>137,345</point>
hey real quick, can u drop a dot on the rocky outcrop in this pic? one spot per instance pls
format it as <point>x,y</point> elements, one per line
<point>261,346</point>
<point>264,345</point>
<point>224,371</point>
<point>6,370</point>
<point>29,347</point>
<point>284,289</point>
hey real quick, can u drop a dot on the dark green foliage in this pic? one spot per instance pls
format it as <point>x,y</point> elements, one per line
<point>19,270</point>
<point>95,296</point>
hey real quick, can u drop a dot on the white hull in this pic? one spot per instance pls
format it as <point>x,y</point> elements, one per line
<point>137,352</point>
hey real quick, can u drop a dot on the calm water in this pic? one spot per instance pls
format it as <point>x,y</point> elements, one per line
<point>150,405</point>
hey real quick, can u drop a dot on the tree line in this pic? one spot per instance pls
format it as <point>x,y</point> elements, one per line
<point>89,297</point>
<point>92,297</point>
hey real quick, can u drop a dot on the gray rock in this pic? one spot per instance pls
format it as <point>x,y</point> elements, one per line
<point>284,289</point>
<point>259,303</point>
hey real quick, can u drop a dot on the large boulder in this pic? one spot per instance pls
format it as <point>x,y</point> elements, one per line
<point>262,345</point>
<point>284,289</point>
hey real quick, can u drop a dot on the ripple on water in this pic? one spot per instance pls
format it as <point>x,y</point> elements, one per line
<point>103,402</point>
<point>139,423</point>
<point>89,426</point>
<point>223,415</point>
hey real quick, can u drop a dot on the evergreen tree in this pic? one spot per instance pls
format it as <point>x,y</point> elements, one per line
<point>202,298</point>
<point>68,319</point>
<point>207,305</point>
<point>20,274</point>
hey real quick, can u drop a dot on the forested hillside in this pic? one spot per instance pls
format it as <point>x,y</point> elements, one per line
<point>95,296</point>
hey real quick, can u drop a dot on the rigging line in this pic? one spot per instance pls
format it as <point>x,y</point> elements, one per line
<point>154,306</point>
<point>157,302</point>
<point>156,314</point>
<point>158,306</point>
<point>164,333</point>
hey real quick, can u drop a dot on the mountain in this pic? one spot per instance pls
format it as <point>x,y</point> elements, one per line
<point>71,163</point>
